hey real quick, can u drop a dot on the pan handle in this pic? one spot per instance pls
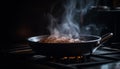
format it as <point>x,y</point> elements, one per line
<point>104,39</point>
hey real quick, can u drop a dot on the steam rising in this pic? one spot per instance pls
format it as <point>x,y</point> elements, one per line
<point>72,18</point>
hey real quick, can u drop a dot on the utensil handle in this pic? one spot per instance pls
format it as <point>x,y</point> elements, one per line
<point>106,37</point>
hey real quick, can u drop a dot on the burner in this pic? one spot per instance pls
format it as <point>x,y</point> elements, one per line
<point>70,59</point>
<point>101,56</point>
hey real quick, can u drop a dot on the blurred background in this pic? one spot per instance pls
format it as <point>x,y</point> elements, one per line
<point>24,19</point>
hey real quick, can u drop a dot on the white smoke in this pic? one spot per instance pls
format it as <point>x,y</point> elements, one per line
<point>71,19</point>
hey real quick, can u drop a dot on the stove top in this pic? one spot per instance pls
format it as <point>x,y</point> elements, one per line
<point>103,55</point>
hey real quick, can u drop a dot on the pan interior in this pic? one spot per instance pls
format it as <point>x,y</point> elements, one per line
<point>83,38</point>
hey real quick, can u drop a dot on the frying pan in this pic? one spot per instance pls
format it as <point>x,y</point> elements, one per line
<point>87,45</point>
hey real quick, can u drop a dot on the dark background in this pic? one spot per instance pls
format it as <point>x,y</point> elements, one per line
<point>24,19</point>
